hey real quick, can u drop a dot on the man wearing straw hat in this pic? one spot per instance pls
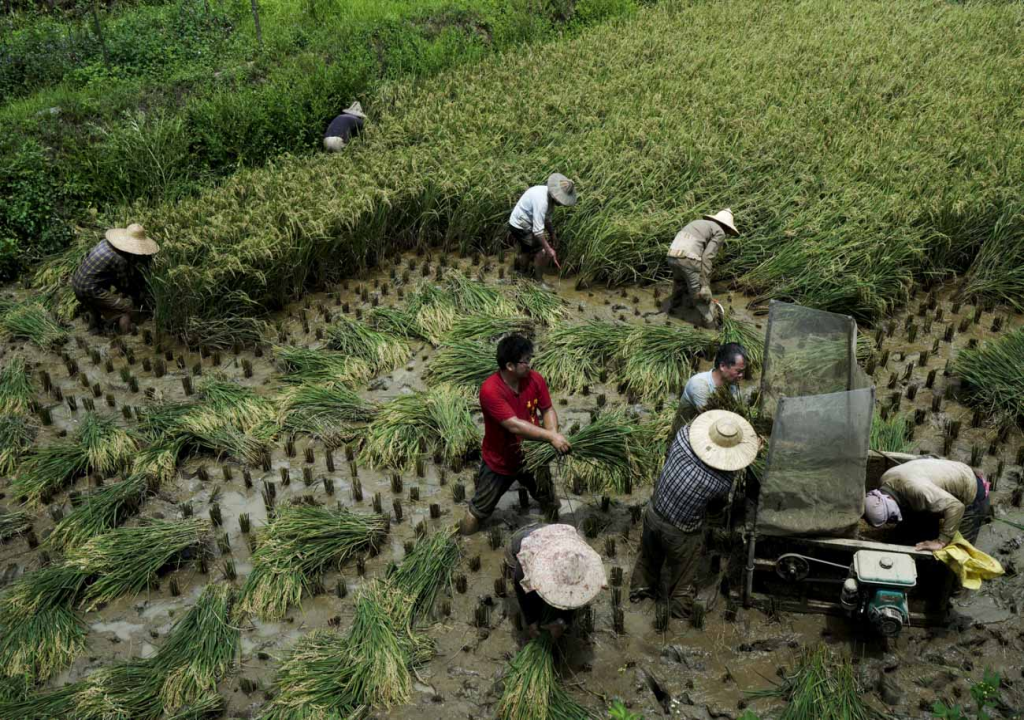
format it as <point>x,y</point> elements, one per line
<point>344,127</point>
<point>554,572</point>
<point>529,225</point>
<point>118,261</point>
<point>699,470</point>
<point>690,256</point>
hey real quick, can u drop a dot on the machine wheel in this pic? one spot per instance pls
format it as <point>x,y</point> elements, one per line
<point>792,567</point>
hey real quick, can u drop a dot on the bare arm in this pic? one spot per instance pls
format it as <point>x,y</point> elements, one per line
<point>551,419</point>
<point>528,430</point>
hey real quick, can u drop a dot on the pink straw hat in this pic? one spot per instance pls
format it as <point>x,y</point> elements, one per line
<point>560,567</point>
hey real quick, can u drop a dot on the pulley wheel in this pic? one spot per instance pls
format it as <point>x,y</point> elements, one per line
<point>792,568</point>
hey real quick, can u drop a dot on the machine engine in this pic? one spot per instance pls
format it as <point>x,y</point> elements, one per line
<point>876,591</point>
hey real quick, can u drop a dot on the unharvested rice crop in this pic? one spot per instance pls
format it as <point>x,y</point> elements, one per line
<point>993,375</point>
<point>532,689</point>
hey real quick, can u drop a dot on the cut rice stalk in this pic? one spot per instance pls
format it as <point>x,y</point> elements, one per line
<point>605,443</point>
<point>748,336</point>
<point>16,436</point>
<point>14,522</point>
<point>30,321</point>
<point>462,362</point>
<point>305,365</point>
<point>382,351</point>
<point>15,387</point>
<point>891,434</point>
<point>656,360</point>
<point>532,690</point>
<point>490,328</point>
<point>326,411</point>
<point>539,303</point>
<point>573,356</point>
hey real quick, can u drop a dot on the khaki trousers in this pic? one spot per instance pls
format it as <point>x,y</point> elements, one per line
<point>686,275</point>
<point>667,564</point>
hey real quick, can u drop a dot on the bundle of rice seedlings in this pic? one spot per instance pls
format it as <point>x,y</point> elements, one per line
<point>748,336</point>
<point>296,548</point>
<point>823,687</point>
<point>891,434</point>
<point>462,362</point>
<point>306,365</point>
<point>16,435</point>
<point>572,356</point>
<point>324,410</point>
<point>15,387</point>
<point>382,351</point>
<point>14,522</point>
<point>657,360</point>
<point>30,321</point>
<point>532,690</point>
<point>126,561</point>
<point>393,320</point>
<point>489,327</point>
<point>437,421</point>
<point>993,375</point>
<point>606,444</point>
<point>539,303</point>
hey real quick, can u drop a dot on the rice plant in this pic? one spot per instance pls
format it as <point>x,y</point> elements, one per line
<point>382,351</point>
<point>573,355</point>
<point>749,337</point>
<point>437,421</point>
<point>296,548</point>
<point>306,365</point>
<point>30,321</point>
<point>993,375</point>
<point>15,387</point>
<point>16,436</point>
<point>489,328</point>
<point>435,313</point>
<point>822,687</point>
<point>99,511</point>
<point>657,360</point>
<point>395,321</point>
<point>462,362</point>
<point>604,453</point>
<point>327,411</point>
<point>52,280</point>
<point>545,306</point>
<point>13,523</point>
<point>891,434</point>
<point>476,298</point>
<point>532,690</point>
<point>223,332</point>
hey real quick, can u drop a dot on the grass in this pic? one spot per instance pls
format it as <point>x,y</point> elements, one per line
<point>822,687</point>
<point>572,356</point>
<point>326,411</point>
<point>532,690</point>
<point>891,434</point>
<point>462,362</point>
<point>305,365</point>
<point>30,321</point>
<point>382,351</point>
<point>993,375</point>
<point>296,548</point>
<point>422,424</point>
<point>657,360</point>
<point>15,388</point>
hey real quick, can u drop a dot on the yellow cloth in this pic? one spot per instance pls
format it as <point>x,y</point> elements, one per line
<point>969,563</point>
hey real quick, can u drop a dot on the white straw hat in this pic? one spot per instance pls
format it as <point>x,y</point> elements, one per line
<point>132,240</point>
<point>724,218</point>
<point>355,109</point>
<point>562,189</point>
<point>560,567</point>
<point>723,440</point>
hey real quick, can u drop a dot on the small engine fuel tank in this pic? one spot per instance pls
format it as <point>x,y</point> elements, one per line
<point>889,569</point>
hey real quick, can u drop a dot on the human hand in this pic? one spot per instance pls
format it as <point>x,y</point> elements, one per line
<point>557,628</point>
<point>931,545</point>
<point>559,443</point>
<point>533,629</point>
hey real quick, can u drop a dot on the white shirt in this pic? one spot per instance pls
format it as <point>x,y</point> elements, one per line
<point>532,210</point>
<point>700,387</point>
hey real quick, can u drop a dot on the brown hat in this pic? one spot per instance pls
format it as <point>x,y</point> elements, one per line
<point>132,240</point>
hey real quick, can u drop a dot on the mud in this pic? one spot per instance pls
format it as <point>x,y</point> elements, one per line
<point>681,672</point>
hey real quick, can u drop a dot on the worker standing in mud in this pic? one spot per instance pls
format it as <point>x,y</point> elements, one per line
<point>530,228</point>
<point>118,261</point>
<point>729,366</point>
<point>690,256</point>
<point>554,572</point>
<point>950,490</point>
<point>516,405</point>
<point>701,463</point>
<point>344,127</point>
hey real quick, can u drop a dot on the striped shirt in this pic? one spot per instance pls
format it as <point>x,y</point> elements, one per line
<point>687,485</point>
<point>102,267</point>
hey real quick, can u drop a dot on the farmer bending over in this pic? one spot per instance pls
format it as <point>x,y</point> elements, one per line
<point>344,127</point>
<point>554,572</point>
<point>516,405</point>
<point>935,486</point>
<point>730,364</point>
<point>701,463</point>
<point>690,256</point>
<point>530,228</point>
<point>119,261</point>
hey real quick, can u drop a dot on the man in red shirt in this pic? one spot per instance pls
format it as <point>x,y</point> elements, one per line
<point>516,405</point>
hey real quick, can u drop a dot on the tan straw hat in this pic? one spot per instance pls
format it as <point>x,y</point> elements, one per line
<point>560,567</point>
<point>724,218</point>
<point>132,240</point>
<point>562,189</point>
<point>355,109</point>
<point>723,440</point>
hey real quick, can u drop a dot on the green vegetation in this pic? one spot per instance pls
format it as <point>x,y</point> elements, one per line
<point>891,434</point>
<point>822,687</point>
<point>16,435</point>
<point>15,387</point>
<point>572,356</point>
<point>30,321</point>
<point>657,361</point>
<point>466,363</point>
<point>532,690</point>
<point>381,351</point>
<point>306,365</point>
<point>985,695</point>
<point>14,522</point>
<point>326,411</point>
<point>993,375</point>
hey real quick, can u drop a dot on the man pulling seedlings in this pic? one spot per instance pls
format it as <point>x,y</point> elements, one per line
<point>529,225</point>
<point>699,470</point>
<point>554,572</point>
<point>730,364</point>
<point>516,405</point>
<point>120,261</point>
<point>690,256</point>
<point>931,486</point>
<point>344,127</point>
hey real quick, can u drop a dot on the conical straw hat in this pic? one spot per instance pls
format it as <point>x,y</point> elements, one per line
<point>560,567</point>
<point>132,240</point>
<point>723,440</point>
<point>562,189</point>
<point>355,109</point>
<point>724,218</point>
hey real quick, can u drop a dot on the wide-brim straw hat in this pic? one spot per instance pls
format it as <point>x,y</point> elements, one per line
<point>132,240</point>
<point>355,109</point>
<point>560,567</point>
<point>724,218</point>
<point>562,189</point>
<point>723,440</point>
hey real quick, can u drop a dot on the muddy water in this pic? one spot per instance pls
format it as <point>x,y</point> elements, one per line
<point>698,673</point>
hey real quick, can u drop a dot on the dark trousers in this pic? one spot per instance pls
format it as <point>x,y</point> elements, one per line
<point>975,514</point>
<point>490,486</point>
<point>667,564</point>
<point>104,306</point>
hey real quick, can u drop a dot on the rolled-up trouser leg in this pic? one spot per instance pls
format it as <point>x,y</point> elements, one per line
<point>106,306</point>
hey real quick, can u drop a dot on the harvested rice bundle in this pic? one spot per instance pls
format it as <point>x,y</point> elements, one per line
<point>993,375</point>
<point>16,436</point>
<point>13,523</point>
<point>748,336</point>
<point>489,328</point>
<point>437,421</point>
<point>223,333</point>
<point>539,303</point>
<point>15,387</point>
<point>475,297</point>
<point>823,687</point>
<point>326,411</point>
<point>296,548</point>
<point>305,365</point>
<point>30,321</point>
<point>435,313</point>
<point>52,281</point>
<point>427,569</point>
<point>462,362</point>
<point>651,445</point>
<point>393,320</point>
<point>382,351</point>
<point>532,690</point>
<point>606,443</point>
<point>572,356</point>
<point>891,434</point>
<point>657,360</point>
